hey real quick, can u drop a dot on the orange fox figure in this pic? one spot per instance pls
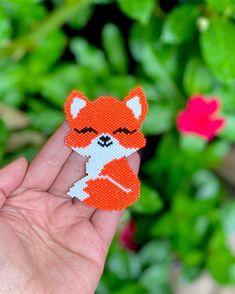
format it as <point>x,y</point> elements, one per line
<point>106,131</point>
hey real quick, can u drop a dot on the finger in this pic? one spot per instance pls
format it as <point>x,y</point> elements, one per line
<point>11,177</point>
<point>105,222</point>
<point>49,161</point>
<point>73,170</point>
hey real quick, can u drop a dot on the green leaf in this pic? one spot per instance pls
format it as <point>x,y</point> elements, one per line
<point>160,119</point>
<point>170,165</point>
<point>228,131</point>
<point>155,252</point>
<point>149,201</point>
<point>126,265</point>
<point>225,94</point>
<point>137,9</point>
<point>198,206</point>
<point>12,83</point>
<point>119,85</point>
<point>54,119</point>
<point>5,27</point>
<point>57,2</point>
<point>155,276</point>
<point>218,47</point>
<point>140,35</point>
<point>227,216</point>
<point>225,6</point>
<point>163,227</point>
<point>102,1</point>
<point>82,17</point>
<point>131,289</point>
<point>215,153</point>
<point>47,52</point>
<point>220,261</point>
<point>191,1</point>
<point>155,68</point>
<point>89,56</point>
<point>25,14</point>
<point>137,37</point>
<point>170,58</point>
<point>197,78</point>
<point>55,86</point>
<point>207,184</point>
<point>194,258</point>
<point>114,47</point>
<point>180,24</point>
<point>28,152</point>
<point>192,143</point>
<point>201,226</point>
<point>189,274</point>
<point>13,97</point>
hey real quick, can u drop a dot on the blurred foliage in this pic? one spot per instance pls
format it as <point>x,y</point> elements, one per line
<point>184,215</point>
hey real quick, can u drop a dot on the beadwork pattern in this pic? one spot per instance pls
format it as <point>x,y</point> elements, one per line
<point>106,130</point>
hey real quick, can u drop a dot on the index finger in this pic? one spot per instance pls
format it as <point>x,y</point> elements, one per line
<point>48,162</point>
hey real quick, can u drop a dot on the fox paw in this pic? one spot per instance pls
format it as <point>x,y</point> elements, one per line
<point>77,192</point>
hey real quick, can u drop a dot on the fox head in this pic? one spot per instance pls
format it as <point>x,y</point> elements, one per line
<point>106,128</point>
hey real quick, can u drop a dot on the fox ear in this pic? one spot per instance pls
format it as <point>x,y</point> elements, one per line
<point>74,103</point>
<point>137,103</point>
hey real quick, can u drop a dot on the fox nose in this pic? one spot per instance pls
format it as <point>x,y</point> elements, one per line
<point>105,139</point>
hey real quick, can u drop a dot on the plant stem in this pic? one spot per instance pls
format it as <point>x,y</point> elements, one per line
<point>19,47</point>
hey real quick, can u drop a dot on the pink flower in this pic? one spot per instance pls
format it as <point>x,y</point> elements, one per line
<point>200,118</point>
<point>127,236</point>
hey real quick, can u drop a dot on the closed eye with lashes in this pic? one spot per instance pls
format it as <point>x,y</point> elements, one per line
<point>85,130</point>
<point>124,131</point>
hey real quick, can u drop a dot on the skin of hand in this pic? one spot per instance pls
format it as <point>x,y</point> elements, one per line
<point>50,243</point>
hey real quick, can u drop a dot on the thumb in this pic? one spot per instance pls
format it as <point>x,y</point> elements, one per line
<point>11,177</point>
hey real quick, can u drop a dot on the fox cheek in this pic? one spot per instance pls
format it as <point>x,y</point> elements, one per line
<point>135,140</point>
<point>139,141</point>
<point>78,140</point>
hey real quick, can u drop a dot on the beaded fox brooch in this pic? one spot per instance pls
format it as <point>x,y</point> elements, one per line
<point>106,130</point>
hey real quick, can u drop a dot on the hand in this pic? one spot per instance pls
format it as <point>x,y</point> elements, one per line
<point>48,242</point>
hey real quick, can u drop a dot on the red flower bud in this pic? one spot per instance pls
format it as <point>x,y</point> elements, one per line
<point>127,236</point>
<point>200,118</point>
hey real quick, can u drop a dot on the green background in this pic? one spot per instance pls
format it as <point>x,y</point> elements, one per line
<point>185,216</point>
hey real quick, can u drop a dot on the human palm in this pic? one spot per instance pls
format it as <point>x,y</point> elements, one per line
<point>50,243</point>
